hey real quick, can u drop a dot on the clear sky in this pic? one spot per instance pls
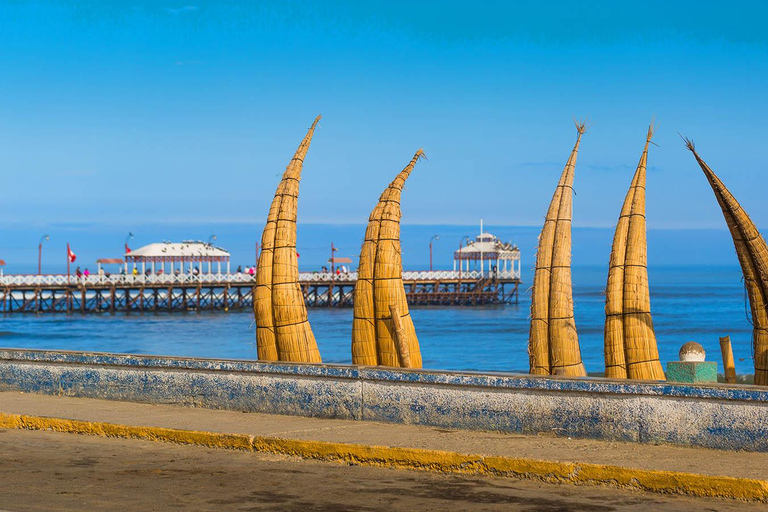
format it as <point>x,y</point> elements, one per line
<point>115,112</point>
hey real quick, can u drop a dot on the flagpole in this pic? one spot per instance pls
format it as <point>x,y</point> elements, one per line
<point>333,249</point>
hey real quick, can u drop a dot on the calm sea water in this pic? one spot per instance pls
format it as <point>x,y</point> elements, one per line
<point>693,303</point>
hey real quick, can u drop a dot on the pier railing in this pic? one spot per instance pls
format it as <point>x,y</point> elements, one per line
<point>10,280</point>
<point>198,292</point>
<point>119,279</point>
<point>412,275</point>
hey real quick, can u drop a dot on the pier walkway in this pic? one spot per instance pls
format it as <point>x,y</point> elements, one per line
<point>703,473</point>
<point>199,292</point>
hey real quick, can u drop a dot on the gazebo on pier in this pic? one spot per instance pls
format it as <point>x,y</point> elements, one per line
<point>109,261</point>
<point>503,257</point>
<point>181,257</point>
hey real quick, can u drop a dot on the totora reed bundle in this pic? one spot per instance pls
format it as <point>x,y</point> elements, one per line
<point>630,343</point>
<point>283,332</point>
<point>382,329</point>
<point>553,346</point>
<point>753,257</point>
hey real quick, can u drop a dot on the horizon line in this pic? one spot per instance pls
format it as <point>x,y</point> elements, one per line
<point>173,222</point>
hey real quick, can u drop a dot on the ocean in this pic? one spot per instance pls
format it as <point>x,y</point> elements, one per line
<point>696,295</point>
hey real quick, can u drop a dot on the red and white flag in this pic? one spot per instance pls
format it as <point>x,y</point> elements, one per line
<point>127,249</point>
<point>71,255</point>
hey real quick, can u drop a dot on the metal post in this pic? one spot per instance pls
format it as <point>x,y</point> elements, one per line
<point>434,237</point>
<point>40,254</point>
<point>333,276</point>
<point>454,261</point>
<point>430,255</point>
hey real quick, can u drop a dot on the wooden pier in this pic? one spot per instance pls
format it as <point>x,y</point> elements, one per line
<point>171,293</point>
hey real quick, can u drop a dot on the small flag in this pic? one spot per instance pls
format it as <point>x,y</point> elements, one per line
<point>128,249</point>
<point>71,255</point>
<point>298,255</point>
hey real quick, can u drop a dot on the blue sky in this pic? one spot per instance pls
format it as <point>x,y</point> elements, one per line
<point>115,112</point>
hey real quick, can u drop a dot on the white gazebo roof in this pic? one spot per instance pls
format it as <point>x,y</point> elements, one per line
<point>488,247</point>
<point>183,251</point>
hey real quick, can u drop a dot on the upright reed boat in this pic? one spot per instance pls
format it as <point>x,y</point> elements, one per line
<point>553,345</point>
<point>753,258</point>
<point>283,332</point>
<point>382,329</point>
<point>630,342</point>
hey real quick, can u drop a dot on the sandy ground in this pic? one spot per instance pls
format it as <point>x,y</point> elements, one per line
<point>53,471</point>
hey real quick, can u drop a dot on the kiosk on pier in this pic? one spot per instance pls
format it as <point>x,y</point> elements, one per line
<point>181,258</point>
<point>503,258</point>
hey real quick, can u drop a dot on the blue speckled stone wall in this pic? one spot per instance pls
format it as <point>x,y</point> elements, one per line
<point>715,416</point>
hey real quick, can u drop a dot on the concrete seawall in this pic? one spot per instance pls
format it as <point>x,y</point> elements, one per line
<point>717,416</point>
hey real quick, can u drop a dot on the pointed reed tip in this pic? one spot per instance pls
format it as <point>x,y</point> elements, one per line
<point>420,154</point>
<point>651,129</point>
<point>688,143</point>
<point>581,126</point>
<point>317,119</point>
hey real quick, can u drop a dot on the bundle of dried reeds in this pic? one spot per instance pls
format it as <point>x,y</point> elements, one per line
<point>630,343</point>
<point>283,332</point>
<point>753,257</point>
<point>553,345</point>
<point>377,337</point>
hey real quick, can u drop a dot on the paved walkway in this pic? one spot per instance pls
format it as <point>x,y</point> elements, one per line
<point>318,438</point>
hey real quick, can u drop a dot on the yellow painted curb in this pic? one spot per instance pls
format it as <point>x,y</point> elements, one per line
<point>413,458</point>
